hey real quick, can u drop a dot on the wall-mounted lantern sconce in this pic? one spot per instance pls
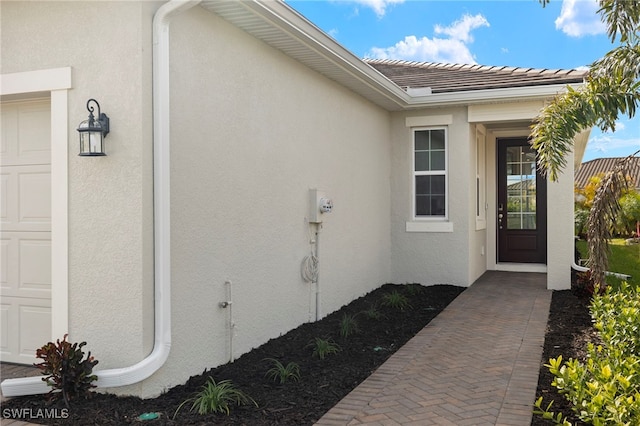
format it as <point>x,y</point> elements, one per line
<point>92,132</point>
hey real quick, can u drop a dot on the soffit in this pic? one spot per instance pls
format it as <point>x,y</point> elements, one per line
<point>280,26</point>
<point>283,28</point>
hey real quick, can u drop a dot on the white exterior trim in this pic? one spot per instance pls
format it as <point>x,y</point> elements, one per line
<point>429,120</point>
<point>415,226</point>
<point>35,81</point>
<point>521,267</point>
<point>56,82</point>
<point>512,111</point>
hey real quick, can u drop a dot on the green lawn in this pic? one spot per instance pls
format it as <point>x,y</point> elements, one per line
<point>624,259</point>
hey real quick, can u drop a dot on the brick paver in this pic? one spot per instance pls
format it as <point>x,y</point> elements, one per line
<point>476,363</point>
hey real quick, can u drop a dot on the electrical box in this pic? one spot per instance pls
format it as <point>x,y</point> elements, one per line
<point>319,204</point>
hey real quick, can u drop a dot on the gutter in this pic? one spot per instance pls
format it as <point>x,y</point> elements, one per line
<point>388,95</point>
<point>162,226</point>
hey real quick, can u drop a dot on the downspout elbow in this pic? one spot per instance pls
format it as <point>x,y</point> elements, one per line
<point>162,281</point>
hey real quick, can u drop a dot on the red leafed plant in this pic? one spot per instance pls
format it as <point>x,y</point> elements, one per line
<point>65,369</point>
<point>585,286</point>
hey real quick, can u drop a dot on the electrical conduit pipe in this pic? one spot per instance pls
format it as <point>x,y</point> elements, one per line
<point>162,226</point>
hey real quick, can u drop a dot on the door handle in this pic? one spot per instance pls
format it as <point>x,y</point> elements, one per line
<point>500,216</point>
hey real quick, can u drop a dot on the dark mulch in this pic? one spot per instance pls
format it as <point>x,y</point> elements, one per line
<point>569,331</point>
<point>323,382</point>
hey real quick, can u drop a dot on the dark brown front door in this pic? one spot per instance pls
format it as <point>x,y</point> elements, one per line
<point>522,204</point>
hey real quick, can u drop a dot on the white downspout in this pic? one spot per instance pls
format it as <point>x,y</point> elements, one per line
<point>162,226</point>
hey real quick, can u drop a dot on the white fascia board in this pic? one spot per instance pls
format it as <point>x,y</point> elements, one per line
<point>488,95</point>
<point>298,27</point>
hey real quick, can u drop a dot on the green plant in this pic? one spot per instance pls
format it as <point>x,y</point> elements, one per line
<point>623,258</point>
<point>65,369</point>
<point>283,373</point>
<point>324,347</point>
<point>605,389</point>
<point>616,315</point>
<point>216,398</point>
<point>348,325</point>
<point>395,300</point>
<point>373,313</point>
<point>414,289</point>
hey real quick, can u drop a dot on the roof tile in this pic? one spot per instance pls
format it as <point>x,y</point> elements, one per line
<point>603,165</point>
<point>443,78</point>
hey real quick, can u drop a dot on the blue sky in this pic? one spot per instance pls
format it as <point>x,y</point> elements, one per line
<point>565,34</point>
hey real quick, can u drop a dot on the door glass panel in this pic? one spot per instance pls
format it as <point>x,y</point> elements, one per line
<point>521,187</point>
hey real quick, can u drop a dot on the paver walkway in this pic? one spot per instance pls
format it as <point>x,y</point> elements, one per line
<point>476,363</point>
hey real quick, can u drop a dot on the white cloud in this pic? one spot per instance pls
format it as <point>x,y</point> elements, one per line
<point>579,17</point>
<point>606,144</point>
<point>461,29</point>
<point>378,6</point>
<point>453,49</point>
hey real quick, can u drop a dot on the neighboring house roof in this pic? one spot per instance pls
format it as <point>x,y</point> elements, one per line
<point>442,78</point>
<point>603,165</point>
<point>280,26</point>
<point>524,185</point>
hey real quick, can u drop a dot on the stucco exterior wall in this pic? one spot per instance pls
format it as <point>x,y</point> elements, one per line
<point>110,259</point>
<point>560,223</point>
<point>431,257</point>
<point>251,132</point>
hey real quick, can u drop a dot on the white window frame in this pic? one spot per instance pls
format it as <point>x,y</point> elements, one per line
<point>444,172</point>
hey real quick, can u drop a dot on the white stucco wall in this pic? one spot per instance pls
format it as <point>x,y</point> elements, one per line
<point>431,257</point>
<point>110,263</point>
<point>251,132</point>
<point>560,228</point>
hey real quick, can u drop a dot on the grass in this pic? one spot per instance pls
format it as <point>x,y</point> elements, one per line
<point>624,259</point>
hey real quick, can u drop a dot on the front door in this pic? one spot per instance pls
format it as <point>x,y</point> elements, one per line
<point>522,204</point>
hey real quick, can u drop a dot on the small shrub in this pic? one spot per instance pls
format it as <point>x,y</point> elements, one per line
<point>324,347</point>
<point>585,286</point>
<point>65,369</point>
<point>414,289</point>
<point>348,325</point>
<point>616,315</point>
<point>605,390</point>
<point>395,300</point>
<point>216,398</point>
<point>283,373</point>
<point>373,313</point>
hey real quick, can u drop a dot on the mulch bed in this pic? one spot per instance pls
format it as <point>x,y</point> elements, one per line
<point>569,331</point>
<point>324,382</point>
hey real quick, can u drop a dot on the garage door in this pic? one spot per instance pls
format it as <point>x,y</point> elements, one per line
<point>25,232</point>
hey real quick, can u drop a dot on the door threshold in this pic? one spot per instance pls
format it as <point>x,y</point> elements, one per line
<point>522,267</point>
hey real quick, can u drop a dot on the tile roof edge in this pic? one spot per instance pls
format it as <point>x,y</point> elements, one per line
<point>402,62</point>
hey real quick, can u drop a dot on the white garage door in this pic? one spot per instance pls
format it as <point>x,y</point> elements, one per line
<point>25,232</point>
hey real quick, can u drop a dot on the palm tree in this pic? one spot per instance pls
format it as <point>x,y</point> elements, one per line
<point>612,88</point>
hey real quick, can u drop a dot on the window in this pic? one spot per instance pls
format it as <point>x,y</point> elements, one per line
<point>430,172</point>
